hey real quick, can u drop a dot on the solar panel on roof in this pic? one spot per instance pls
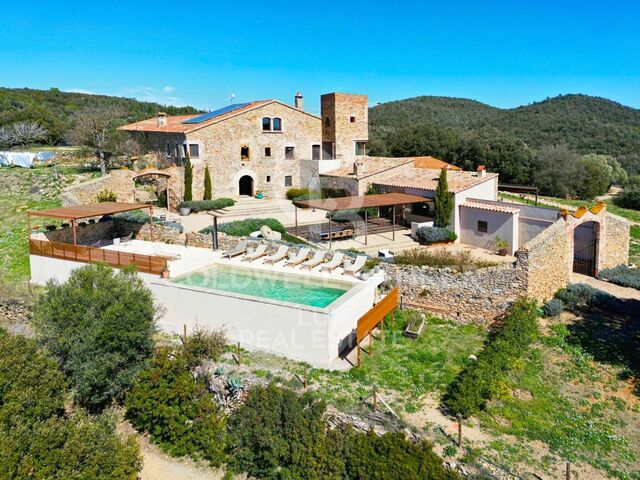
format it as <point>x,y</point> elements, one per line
<point>208,116</point>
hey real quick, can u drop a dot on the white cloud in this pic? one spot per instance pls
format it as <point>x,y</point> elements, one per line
<point>153,94</point>
<point>79,90</point>
<point>168,89</point>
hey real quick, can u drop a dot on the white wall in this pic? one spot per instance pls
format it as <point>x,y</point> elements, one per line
<point>484,191</point>
<point>499,224</point>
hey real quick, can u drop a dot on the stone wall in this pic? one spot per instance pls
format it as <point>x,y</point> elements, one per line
<point>142,231</point>
<point>86,233</point>
<point>616,242</point>
<point>118,181</point>
<point>340,108</point>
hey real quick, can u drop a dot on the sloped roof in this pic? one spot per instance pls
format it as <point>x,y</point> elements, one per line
<point>427,179</point>
<point>176,124</point>
<point>493,207</point>
<point>433,163</point>
<point>87,211</point>
<point>360,201</point>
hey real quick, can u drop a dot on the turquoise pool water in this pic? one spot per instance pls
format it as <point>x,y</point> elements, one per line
<point>282,287</point>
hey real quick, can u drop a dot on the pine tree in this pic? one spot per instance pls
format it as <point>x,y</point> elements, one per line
<point>443,201</point>
<point>207,184</point>
<point>188,179</point>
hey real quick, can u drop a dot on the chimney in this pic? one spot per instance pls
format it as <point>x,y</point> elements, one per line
<point>298,101</point>
<point>481,170</point>
<point>162,119</point>
<point>358,167</point>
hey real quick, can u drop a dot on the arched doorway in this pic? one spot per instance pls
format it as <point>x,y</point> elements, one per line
<point>245,185</point>
<point>585,248</point>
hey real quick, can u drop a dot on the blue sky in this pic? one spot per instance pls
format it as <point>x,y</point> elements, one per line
<point>505,53</point>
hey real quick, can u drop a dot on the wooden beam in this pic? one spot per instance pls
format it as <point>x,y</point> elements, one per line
<point>151,221</point>
<point>365,225</point>
<point>73,229</point>
<point>330,239</point>
<point>296,207</point>
<point>393,223</point>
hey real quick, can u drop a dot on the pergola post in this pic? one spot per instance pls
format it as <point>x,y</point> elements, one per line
<point>296,215</point>
<point>330,230</point>
<point>73,229</point>
<point>365,225</point>
<point>151,222</point>
<point>393,222</point>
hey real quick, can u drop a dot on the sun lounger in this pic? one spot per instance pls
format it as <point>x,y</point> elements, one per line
<point>239,249</point>
<point>260,251</point>
<point>279,255</point>
<point>317,259</point>
<point>159,251</point>
<point>356,266</point>
<point>334,263</point>
<point>299,258</point>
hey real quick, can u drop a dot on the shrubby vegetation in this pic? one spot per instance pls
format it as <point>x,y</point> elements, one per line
<point>460,261</point>
<point>242,228</point>
<point>207,184</point>
<point>99,326</point>
<point>429,235</point>
<point>553,307</point>
<point>138,216</point>
<point>106,195</point>
<point>629,198</point>
<point>176,409</point>
<point>443,202</point>
<point>204,205</point>
<point>38,439</point>
<point>622,275</point>
<point>480,380</point>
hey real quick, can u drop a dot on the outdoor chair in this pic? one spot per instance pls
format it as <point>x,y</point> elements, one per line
<point>334,263</point>
<point>239,249</point>
<point>256,254</point>
<point>159,251</point>
<point>356,266</point>
<point>279,255</point>
<point>299,258</point>
<point>125,240</point>
<point>317,259</point>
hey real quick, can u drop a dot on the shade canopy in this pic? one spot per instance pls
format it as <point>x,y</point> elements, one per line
<point>362,201</point>
<point>78,212</point>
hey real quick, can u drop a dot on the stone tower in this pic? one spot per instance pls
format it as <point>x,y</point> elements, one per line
<point>345,125</point>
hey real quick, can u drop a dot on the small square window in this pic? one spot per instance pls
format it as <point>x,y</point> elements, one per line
<point>194,150</point>
<point>483,227</point>
<point>361,148</point>
<point>268,178</point>
<point>352,119</point>
<point>289,153</point>
<point>288,181</point>
<point>267,151</point>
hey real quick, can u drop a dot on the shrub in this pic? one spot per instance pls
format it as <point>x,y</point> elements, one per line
<point>106,195</point>
<point>479,381</point>
<point>37,440</point>
<point>138,216</point>
<point>628,199</point>
<point>294,193</point>
<point>242,228</point>
<point>576,295</point>
<point>204,205</point>
<point>162,199</point>
<point>443,201</point>
<point>204,344</point>
<point>553,307</point>
<point>99,326</point>
<point>431,235</point>
<point>622,275</point>
<point>278,434</point>
<point>334,193</point>
<point>460,261</point>
<point>176,410</point>
<point>207,184</point>
<point>391,456</point>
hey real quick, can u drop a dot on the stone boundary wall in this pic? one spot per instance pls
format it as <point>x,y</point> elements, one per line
<point>118,181</point>
<point>85,233</point>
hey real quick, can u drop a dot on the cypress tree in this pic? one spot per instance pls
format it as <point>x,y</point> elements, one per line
<point>443,201</point>
<point>188,179</point>
<point>207,184</point>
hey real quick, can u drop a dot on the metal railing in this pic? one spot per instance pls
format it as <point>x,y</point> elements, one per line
<point>85,254</point>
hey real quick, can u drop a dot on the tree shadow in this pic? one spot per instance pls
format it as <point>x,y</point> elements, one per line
<point>611,334</point>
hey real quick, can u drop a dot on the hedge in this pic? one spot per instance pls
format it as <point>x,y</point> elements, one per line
<point>138,216</point>
<point>431,235</point>
<point>204,205</point>
<point>480,380</point>
<point>628,199</point>
<point>242,228</point>
<point>622,275</point>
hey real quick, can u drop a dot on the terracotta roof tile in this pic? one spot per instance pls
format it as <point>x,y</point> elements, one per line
<point>493,206</point>
<point>432,163</point>
<point>427,179</point>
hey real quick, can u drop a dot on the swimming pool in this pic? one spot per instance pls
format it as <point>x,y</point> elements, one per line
<point>295,289</point>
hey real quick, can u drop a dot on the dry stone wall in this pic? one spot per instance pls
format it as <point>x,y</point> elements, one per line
<point>119,182</point>
<point>616,242</point>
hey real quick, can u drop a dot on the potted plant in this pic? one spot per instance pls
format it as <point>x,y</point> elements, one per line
<point>50,228</point>
<point>259,195</point>
<point>165,273</point>
<point>184,209</point>
<point>502,246</point>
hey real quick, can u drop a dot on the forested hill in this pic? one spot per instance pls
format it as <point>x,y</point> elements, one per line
<point>54,109</point>
<point>585,124</point>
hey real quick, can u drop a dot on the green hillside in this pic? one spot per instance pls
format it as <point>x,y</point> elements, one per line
<point>585,124</point>
<point>54,109</point>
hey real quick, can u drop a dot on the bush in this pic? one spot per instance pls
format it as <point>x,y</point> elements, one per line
<point>106,195</point>
<point>99,326</point>
<point>176,410</point>
<point>242,228</point>
<point>138,216</point>
<point>204,205</point>
<point>188,179</point>
<point>37,440</point>
<point>204,344</point>
<point>628,199</point>
<point>460,261</point>
<point>294,193</point>
<point>162,199</point>
<point>622,275</point>
<point>207,184</point>
<point>429,235</point>
<point>576,295</point>
<point>553,307</point>
<point>278,434</point>
<point>479,381</point>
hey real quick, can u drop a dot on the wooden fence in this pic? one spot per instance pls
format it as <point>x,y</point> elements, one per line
<point>373,317</point>
<point>85,254</point>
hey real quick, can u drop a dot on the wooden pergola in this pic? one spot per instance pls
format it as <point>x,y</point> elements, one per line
<point>357,202</point>
<point>80,212</point>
